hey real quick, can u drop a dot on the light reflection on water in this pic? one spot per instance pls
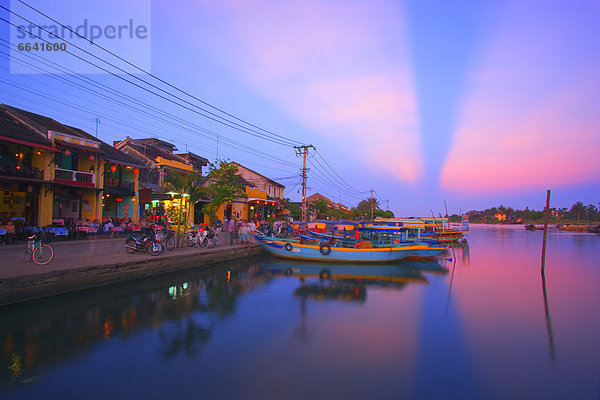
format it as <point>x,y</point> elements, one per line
<point>474,324</point>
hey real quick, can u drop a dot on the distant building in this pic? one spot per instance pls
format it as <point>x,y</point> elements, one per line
<point>158,158</point>
<point>256,180</point>
<point>317,197</point>
<point>263,198</point>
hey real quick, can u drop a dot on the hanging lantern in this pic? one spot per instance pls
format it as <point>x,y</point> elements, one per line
<point>29,189</point>
<point>113,168</point>
<point>67,153</point>
<point>136,171</point>
<point>92,157</point>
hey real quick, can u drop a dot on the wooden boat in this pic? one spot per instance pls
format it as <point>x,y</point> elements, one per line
<point>378,244</point>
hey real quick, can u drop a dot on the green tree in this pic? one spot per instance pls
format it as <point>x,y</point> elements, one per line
<point>363,209</point>
<point>577,210</point>
<point>295,209</point>
<point>224,185</point>
<point>185,188</point>
<point>320,207</point>
<point>592,212</point>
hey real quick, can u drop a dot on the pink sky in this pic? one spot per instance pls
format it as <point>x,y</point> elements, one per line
<point>529,119</point>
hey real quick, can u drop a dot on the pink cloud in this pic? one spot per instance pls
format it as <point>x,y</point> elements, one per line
<point>528,121</point>
<point>334,68</point>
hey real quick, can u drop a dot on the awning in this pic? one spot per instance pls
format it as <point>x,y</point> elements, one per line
<point>25,142</point>
<point>129,164</point>
<point>256,199</point>
<point>62,183</point>
<point>79,147</point>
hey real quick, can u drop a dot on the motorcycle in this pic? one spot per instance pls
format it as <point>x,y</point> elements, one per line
<point>145,243</point>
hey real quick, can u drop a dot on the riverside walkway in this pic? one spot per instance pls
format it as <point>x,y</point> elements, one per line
<point>82,264</point>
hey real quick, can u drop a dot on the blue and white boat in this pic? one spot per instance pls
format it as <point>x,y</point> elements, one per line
<point>378,244</point>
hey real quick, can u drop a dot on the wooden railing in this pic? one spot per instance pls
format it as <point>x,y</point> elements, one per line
<point>74,176</point>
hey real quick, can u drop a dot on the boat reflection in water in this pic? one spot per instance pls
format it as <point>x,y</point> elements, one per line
<point>348,282</point>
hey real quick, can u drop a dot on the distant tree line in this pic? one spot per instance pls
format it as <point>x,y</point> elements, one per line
<point>323,210</point>
<point>578,212</point>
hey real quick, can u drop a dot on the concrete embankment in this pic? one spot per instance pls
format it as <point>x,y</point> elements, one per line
<point>64,276</point>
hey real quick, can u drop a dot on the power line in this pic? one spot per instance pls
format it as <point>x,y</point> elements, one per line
<point>54,100</point>
<point>231,142</point>
<point>236,126</point>
<point>336,174</point>
<point>155,77</point>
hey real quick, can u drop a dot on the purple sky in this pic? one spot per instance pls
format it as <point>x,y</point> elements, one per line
<point>480,103</point>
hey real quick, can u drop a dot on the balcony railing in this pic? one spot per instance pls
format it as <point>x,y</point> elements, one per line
<point>25,172</point>
<point>86,178</point>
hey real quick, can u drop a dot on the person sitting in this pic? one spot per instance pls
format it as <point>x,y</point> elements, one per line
<point>9,237</point>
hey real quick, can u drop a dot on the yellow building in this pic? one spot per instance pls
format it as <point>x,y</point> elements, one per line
<point>73,174</point>
<point>26,173</point>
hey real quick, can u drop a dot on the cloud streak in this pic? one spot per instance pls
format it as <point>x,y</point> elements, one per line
<point>339,68</point>
<point>530,118</point>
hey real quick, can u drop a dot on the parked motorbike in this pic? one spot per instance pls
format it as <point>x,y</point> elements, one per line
<point>147,242</point>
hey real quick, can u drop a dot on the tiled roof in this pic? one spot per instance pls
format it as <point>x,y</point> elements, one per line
<point>13,128</point>
<point>271,181</point>
<point>152,151</point>
<point>39,122</point>
<point>44,124</point>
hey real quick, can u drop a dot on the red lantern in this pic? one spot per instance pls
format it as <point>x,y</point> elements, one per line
<point>136,171</point>
<point>92,157</point>
<point>113,168</point>
<point>67,152</point>
<point>118,199</point>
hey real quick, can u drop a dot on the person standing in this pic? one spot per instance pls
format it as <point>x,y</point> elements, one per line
<point>231,230</point>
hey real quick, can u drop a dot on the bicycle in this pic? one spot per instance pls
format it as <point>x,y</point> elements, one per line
<point>38,251</point>
<point>168,238</point>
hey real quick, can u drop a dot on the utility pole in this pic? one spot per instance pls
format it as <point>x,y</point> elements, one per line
<point>303,151</point>
<point>97,120</point>
<point>388,205</point>
<point>371,204</point>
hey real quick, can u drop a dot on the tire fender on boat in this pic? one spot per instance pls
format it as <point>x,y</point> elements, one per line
<point>325,274</point>
<point>288,247</point>
<point>325,248</point>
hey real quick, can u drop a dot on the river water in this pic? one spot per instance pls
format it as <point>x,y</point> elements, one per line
<point>478,323</point>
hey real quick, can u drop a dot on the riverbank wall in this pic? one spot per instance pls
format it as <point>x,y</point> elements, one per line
<point>53,282</point>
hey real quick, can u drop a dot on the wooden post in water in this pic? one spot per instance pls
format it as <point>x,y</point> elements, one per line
<point>545,232</point>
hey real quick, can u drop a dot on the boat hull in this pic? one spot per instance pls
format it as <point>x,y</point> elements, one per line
<point>312,252</point>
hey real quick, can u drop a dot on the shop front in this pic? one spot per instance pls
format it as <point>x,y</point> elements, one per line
<point>119,199</point>
<point>25,194</point>
<point>20,202</point>
<point>261,209</point>
<point>72,204</point>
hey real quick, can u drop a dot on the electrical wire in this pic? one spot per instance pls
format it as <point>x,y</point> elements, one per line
<point>230,124</point>
<point>154,76</point>
<point>226,140</point>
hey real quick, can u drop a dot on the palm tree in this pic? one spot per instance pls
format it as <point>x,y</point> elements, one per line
<point>183,187</point>
<point>576,209</point>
